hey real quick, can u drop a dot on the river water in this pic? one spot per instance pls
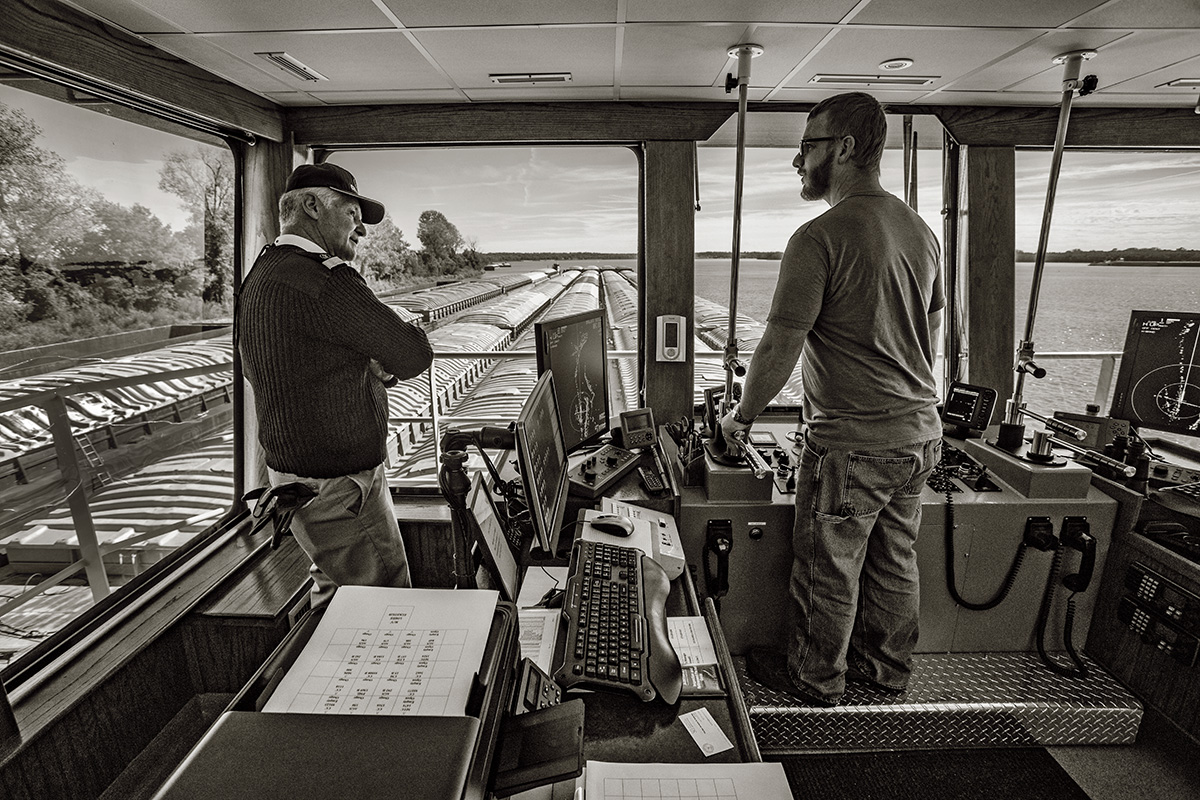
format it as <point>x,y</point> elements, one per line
<point>1080,308</point>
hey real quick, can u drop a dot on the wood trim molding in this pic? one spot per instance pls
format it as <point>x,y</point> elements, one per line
<point>987,262</point>
<point>1088,127</point>
<point>352,126</point>
<point>52,34</point>
<point>1026,126</point>
<point>669,276</point>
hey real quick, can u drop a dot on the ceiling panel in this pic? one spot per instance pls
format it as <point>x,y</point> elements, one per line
<point>258,15</point>
<point>257,77</point>
<point>128,15</point>
<point>988,14</point>
<point>815,94</point>
<point>1152,82</point>
<point>1120,60</point>
<point>738,10</point>
<point>859,51</point>
<point>433,13</point>
<point>469,56</point>
<point>351,61</point>
<point>1032,68</point>
<point>1140,14</point>
<point>696,55</point>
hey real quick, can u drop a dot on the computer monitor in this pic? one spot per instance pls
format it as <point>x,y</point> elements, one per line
<point>575,349</point>
<point>542,459</point>
<point>1158,384</point>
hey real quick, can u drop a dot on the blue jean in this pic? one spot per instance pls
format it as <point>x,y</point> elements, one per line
<point>349,531</point>
<point>854,589</point>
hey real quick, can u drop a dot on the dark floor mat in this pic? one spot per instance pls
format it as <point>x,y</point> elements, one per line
<point>1029,773</point>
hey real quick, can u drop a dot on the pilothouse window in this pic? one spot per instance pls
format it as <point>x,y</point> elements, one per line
<point>481,243</point>
<point>116,236</point>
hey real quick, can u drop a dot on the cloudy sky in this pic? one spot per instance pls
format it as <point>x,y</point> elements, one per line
<point>585,198</point>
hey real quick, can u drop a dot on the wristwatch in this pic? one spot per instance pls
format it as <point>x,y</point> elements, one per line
<point>738,418</point>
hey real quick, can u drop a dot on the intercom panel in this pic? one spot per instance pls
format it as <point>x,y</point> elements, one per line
<point>671,344</point>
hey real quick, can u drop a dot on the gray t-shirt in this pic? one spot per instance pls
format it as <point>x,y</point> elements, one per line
<point>862,279</point>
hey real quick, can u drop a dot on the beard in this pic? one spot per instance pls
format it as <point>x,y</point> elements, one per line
<point>816,180</point>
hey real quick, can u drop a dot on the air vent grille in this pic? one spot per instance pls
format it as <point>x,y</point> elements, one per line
<point>874,80</point>
<point>292,66</point>
<point>531,78</point>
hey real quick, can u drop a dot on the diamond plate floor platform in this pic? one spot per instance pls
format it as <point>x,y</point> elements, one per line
<point>953,700</point>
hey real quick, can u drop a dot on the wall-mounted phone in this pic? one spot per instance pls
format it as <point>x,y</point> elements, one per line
<point>1076,535</point>
<point>671,345</point>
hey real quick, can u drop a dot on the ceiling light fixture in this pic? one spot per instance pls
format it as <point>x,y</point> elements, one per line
<point>875,80</point>
<point>895,64</point>
<point>1182,83</point>
<point>292,66</point>
<point>531,77</point>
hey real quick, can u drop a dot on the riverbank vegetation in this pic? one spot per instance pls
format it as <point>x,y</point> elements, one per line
<point>74,264</point>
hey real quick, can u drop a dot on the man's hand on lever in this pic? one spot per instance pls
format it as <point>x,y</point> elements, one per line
<point>735,429</point>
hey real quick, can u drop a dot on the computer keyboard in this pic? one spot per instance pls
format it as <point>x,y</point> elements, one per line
<point>615,621</point>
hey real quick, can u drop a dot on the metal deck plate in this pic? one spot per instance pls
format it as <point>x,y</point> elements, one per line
<point>953,700</point>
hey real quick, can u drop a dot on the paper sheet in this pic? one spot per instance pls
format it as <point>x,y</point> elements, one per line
<point>539,629</point>
<point>691,640</point>
<point>391,652</point>
<point>757,781</point>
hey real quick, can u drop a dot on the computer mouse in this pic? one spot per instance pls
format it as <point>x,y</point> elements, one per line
<point>612,524</point>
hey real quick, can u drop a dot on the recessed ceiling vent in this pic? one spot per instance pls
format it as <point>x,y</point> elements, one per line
<point>874,80</point>
<point>530,78</point>
<point>292,66</point>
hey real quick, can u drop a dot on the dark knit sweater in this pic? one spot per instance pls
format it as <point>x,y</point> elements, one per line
<point>306,334</point>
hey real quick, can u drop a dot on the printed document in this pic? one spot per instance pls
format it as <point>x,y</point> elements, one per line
<point>390,651</point>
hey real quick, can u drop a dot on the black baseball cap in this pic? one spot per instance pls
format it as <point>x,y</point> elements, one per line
<point>331,176</point>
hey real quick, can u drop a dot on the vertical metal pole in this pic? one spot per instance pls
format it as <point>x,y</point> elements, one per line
<point>907,141</point>
<point>744,53</point>
<point>912,172</point>
<point>1071,63</point>
<point>81,513</point>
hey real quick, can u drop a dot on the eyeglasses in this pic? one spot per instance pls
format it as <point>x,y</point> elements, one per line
<point>806,144</point>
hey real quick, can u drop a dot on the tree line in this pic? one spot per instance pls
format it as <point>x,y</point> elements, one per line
<point>1155,255</point>
<point>74,264</point>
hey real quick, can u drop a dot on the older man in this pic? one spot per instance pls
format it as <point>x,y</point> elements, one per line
<point>319,348</point>
<point>859,294</point>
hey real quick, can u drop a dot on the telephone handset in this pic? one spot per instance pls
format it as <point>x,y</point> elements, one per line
<point>1076,536</point>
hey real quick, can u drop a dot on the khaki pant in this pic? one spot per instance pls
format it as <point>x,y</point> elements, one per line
<point>349,531</point>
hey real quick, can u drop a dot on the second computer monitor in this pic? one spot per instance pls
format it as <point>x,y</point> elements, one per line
<point>575,349</point>
<point>542,460</point>
<point>1158,384</point>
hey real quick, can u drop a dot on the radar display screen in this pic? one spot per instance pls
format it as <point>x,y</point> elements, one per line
<point>1158,385</point>
<point>575,349</point>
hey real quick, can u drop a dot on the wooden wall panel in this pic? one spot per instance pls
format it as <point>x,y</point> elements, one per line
<point>264,173</point>
<point>987,265</point>
<point>1089,127</point>
<point>45,31</point>
<point>506,122</point>
<point>668,282</point>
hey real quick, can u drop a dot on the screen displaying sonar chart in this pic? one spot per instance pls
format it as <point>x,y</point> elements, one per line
<point>575,350</point>
<point>1158,385</point>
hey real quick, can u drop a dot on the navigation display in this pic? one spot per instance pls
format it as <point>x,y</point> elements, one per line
<point>575,350</point>
<point>1158,385</point>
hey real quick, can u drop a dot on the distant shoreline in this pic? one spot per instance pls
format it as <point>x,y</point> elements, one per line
<point>1127,263</point>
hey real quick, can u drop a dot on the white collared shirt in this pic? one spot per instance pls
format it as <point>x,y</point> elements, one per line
<point>311,247</point>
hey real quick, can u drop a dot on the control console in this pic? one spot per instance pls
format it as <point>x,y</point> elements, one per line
<point>599,471</point>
